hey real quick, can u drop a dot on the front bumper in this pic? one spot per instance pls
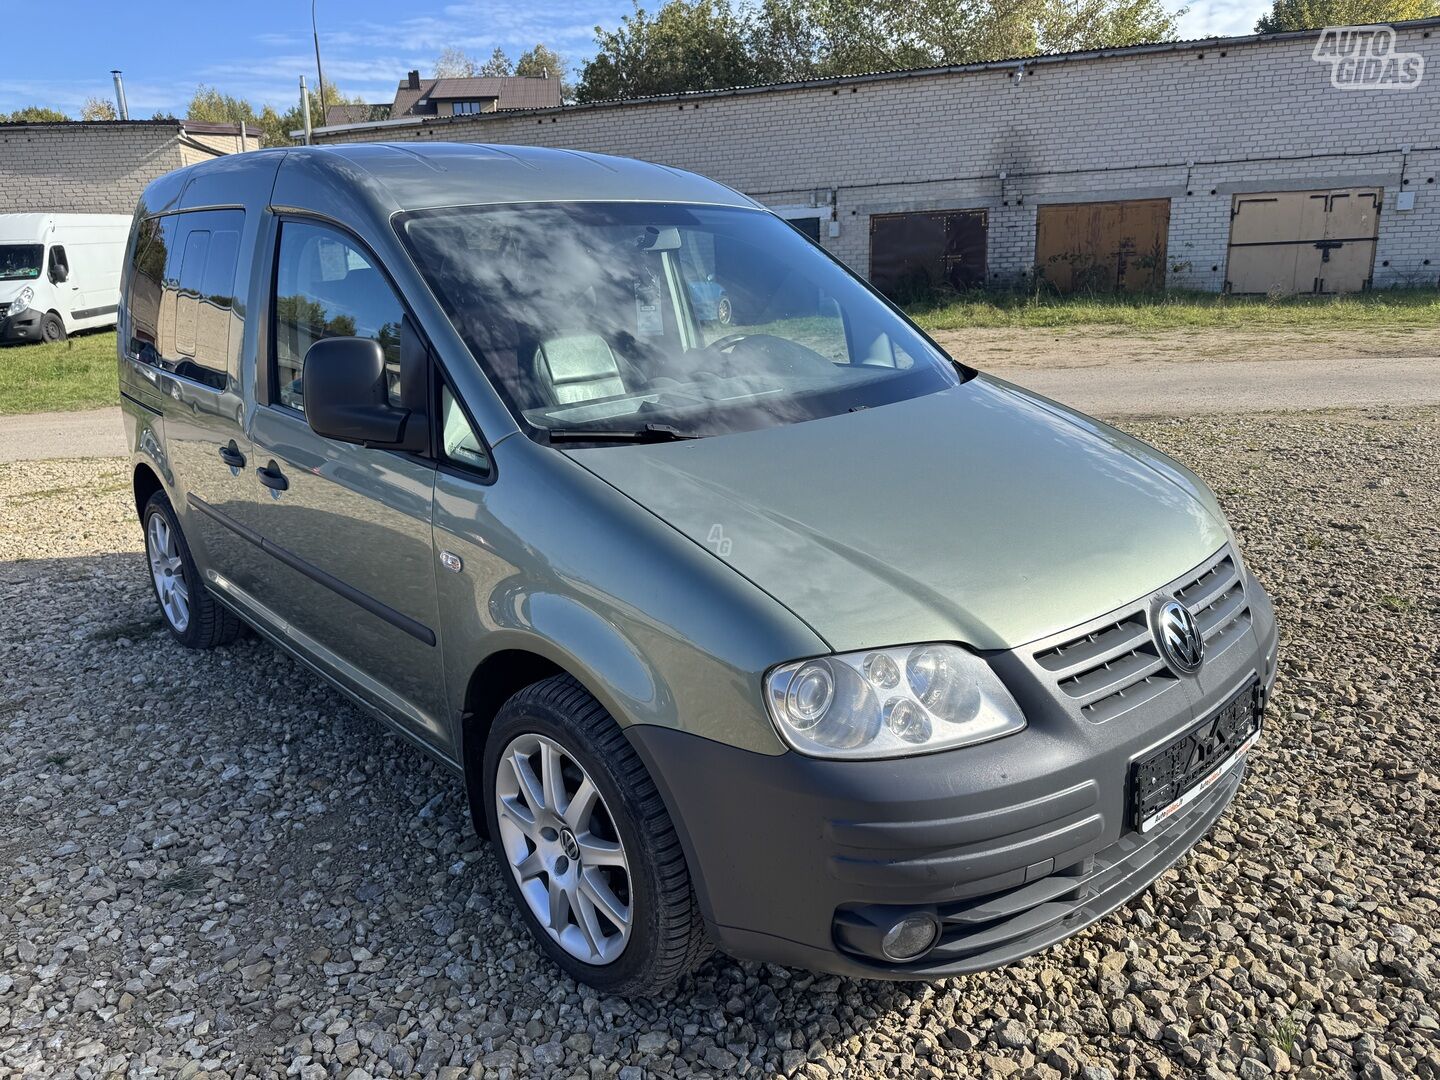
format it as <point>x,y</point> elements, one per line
<point>22,327</point>
<point>1011,845</point>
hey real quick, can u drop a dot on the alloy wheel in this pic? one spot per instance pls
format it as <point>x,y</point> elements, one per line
<point>168,571</point>
<point>561,844</point>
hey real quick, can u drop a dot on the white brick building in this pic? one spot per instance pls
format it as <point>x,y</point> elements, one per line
<point>102,166</point>
<point>1189,128</point>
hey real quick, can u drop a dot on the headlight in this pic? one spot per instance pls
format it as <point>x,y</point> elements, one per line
<point>22,301</point>
<point>890,702</point>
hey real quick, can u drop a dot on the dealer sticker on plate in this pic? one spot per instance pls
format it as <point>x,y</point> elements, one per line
<point>1169,779</point>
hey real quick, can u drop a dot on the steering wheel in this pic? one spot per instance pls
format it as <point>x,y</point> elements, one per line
<point>720,344</point>
<point>785,357</point>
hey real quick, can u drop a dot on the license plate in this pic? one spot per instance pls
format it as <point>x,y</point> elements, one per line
<point>1167,780</point>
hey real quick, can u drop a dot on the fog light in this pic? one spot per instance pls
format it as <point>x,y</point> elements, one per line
<point>910,937</point>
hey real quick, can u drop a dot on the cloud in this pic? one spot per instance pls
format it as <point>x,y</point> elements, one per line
<point>1221,18</point>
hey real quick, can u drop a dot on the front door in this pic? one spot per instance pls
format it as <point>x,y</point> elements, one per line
<point>351,578</point>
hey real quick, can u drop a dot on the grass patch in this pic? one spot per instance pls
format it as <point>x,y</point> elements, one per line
<point>75,374</point>
<point>187,881</point>
<point>1283,1033</point>
<point>1385,309</point>
<point>1399,604</point>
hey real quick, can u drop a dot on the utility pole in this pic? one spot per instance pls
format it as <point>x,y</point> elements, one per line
<point>305,108</point>
<point>319,72</point>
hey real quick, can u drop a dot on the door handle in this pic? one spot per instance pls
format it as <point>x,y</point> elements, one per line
<point>271,476</point>
<point>232,456</point>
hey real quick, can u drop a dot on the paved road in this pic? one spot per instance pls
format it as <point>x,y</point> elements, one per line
<point>1187,389</point>
<point>1136,388</point>
<point>44,436</point>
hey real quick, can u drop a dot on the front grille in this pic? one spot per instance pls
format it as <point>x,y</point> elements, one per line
<point>4,310</point>
<point>1116,666</point>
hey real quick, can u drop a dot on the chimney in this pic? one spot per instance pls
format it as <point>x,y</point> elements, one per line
<point>414,82</point>
<point>123,110</point>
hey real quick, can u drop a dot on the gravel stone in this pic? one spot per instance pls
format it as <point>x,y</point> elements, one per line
<point>214,866</point>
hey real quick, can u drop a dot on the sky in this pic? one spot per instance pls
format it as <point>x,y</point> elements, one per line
<point>257,49</point>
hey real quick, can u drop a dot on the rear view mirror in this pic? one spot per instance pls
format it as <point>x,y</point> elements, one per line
<point>347,397</point>
<point>59,272</point>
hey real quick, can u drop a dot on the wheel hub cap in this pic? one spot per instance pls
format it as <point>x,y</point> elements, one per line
<point>166,568</point>
<point>563,849</point>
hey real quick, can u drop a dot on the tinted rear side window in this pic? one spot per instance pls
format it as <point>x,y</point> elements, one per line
<point>184,315</point>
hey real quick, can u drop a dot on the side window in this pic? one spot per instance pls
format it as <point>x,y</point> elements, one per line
<point>182,302</point>
<point>153,240</point>
<point>458,440</point>
<point>59,264</point>
<point>325,286</point>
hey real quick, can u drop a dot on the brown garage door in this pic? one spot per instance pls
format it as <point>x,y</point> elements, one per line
<point>1103,246</point>
<point>912,256</point>
<point>1303,241</point>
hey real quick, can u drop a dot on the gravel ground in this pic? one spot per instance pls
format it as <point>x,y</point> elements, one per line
<point>210,865</point>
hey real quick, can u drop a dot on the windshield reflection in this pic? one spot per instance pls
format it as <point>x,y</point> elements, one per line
<point>633,318</point>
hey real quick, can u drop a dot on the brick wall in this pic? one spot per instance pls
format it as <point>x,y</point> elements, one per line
<point>98,168</point>
<point>1195,125</point>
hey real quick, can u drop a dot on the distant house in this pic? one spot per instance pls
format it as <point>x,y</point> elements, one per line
<point>417,97</point>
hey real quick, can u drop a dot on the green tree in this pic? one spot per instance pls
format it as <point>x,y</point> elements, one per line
<point>274,127</point>
<point>686,45</point>
<point>1312,14</point>
<point>211,106</point>
<point>498,64</point>
<point>541,62</point>
<point>785,40</point>
<point>98,108</point>
<point>704,44</point>
<point>34,114</point>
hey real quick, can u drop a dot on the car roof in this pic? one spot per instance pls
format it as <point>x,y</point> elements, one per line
<point>403,176</point>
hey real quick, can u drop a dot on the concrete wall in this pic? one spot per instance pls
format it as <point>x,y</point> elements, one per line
<point>1195,125</point>
<point>98,168</point>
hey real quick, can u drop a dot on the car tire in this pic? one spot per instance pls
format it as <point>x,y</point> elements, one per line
<point>52,328</point>
<point>665,937</point>
<point>194,617</point>
<point>724,311</point>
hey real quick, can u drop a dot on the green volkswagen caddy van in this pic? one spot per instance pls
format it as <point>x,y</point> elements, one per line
<point>784,633</point>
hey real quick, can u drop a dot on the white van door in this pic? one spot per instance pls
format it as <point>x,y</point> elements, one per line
<point>68,297</point>
<point>83,264</point>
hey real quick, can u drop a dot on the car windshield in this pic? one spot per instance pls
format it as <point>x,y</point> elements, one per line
<point>20,261</point>
<point>655,320</point>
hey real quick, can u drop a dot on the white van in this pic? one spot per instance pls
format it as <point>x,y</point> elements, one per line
<point>59,273</point>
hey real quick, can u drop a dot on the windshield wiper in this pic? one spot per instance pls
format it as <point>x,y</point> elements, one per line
<point>648,434</point>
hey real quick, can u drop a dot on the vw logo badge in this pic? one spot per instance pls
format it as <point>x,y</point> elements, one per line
<point>1179,638</point>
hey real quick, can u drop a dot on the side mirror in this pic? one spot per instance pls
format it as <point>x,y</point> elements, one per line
<point>347,397</point>
<point>59,273</point>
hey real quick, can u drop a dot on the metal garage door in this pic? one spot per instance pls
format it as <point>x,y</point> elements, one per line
<point>1303,241</point>
<point>1103,246</point>
<point>914,255</point>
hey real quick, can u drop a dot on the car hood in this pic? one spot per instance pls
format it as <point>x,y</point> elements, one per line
<point>11,289</point>
<point>982,514</point>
